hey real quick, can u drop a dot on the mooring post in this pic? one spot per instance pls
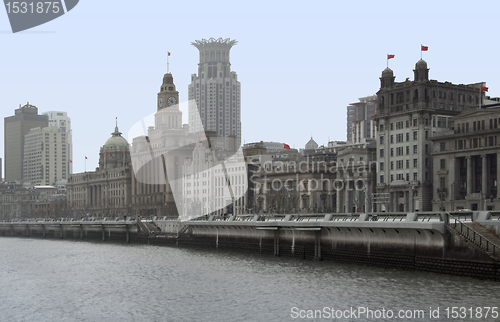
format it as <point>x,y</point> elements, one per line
<point>127,238</point>
<point>317,244</point>
<point>217,238</point>
<point>276,242</point>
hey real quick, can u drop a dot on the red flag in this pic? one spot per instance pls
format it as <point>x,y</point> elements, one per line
<point>424,48</point>
<point>71,161</point>
<point>286,146</point>
<point>168,53</point>
<point>484,89</point>
<point>106,153</point>
<point>86,158</point>
<point>390,56</point>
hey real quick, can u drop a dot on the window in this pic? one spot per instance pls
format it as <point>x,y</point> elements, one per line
<point>407,137</point>
<point>407,150</point>
<point>381,139</point>
<point>426,148</point>
<point>415,122</point>
<point>442,164</point>
<point>381,127</point>
<point>407,164</point>
<point>382,178</point>
<point>392,138</point>
<point>392,165</point>
<point>415,149</point>
<point>392,126</point>
<point>426,135</point>
<point>381,153</point>
<point>415,176</point>
<point>441,146</point>
<point>415,135</point>
<point>381,166</point>
<point>407,124</point>
<point>415,163</point>
<point>392,152</point>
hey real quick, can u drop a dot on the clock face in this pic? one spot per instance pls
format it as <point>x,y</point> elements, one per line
<point>160,101</point>
<point>171,101</point>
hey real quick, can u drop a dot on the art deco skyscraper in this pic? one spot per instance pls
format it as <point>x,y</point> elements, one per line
<point>217,92</point>
<point>15,129</point>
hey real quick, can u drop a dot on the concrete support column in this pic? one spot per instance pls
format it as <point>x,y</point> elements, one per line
<point>469,175</point>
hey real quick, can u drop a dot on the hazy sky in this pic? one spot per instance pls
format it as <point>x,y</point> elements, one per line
<point>299,63</point>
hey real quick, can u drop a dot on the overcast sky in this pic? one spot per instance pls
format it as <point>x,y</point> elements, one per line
<point>299,63</point>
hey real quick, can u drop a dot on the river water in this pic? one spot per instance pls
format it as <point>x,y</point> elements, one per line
<point>51,280</point>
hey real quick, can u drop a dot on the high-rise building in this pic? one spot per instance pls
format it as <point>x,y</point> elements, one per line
<point>408,116</point>
<point>46,156</point>
<point>15,129</point>
<point>216,90</point>
<point>360,121</point>
<point>63,122</point>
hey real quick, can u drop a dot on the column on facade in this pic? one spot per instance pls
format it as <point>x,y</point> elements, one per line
<point>346,197</point>
<point>498,175</point>
<point>469,175</point>
<point>367,194</point>
<point>339,205</point>
<point>484,177</point>
<point>411,206</point>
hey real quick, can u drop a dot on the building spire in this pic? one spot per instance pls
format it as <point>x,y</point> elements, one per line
<point>116,132</point>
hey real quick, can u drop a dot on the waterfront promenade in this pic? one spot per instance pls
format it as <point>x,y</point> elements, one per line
<point>461,243</point>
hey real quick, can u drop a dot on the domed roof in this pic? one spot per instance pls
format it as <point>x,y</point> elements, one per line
<point>421,64</point>
<point>116,141</point>
<point>387,72</point>
<point>311,145</point>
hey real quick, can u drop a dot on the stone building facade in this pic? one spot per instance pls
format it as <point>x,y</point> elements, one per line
<point>466,162</point>
<point>410,113</point>
<point>105,192</point>
<point>360,121</point>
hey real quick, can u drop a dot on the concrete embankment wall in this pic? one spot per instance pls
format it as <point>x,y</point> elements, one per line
<point>420,248</point>
<point>415,246</point>
<point>119,232</point>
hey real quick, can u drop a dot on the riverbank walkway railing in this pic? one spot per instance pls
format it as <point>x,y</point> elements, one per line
<point>462,225</point>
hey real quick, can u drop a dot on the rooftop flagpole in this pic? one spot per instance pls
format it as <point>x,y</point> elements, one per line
<point>168,55</point>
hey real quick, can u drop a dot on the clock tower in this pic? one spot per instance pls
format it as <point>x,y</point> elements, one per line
<point>167,96</point>
<point>168,115</point>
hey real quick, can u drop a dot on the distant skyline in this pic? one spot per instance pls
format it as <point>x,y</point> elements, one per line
<point>299,66</point>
